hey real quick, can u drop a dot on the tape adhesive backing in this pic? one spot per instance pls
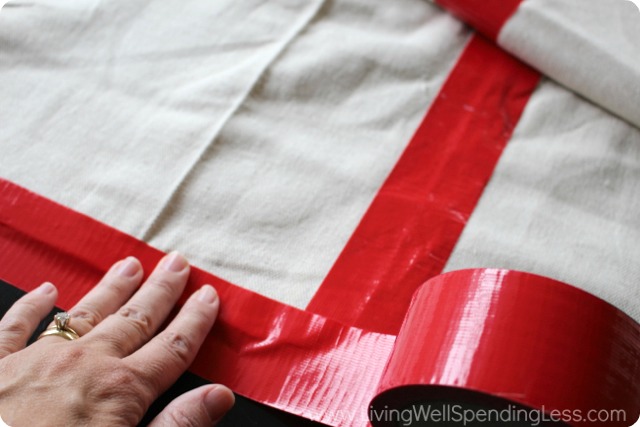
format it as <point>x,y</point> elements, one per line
<point>480,338</point>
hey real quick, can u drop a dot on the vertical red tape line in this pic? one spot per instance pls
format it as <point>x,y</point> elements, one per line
<point>414,222</point>
<point>486,16</point>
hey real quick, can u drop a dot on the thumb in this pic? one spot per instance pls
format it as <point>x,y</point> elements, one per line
<point>201,407</point>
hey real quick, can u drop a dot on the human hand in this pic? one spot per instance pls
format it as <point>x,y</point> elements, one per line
<point>117,368</point>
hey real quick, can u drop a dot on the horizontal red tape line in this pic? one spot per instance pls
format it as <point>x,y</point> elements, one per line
<point>486,337</point>
<point>303,353</point>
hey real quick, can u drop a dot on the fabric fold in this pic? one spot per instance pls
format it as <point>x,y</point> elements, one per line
<point>589,46</point>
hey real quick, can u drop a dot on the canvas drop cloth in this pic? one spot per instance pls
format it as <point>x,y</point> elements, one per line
<point>591,47</point>
<point>258,137</point>
<point>563,201</point>
<point>253,136</point>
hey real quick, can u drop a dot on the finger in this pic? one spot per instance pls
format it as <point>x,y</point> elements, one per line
<point>23,318</point>
<point>115,288</point>
<point>170,353</point>
<point>204,406</point>
<point>138,320</point>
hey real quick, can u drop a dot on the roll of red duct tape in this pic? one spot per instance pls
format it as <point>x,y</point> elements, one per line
<point>514,346</point>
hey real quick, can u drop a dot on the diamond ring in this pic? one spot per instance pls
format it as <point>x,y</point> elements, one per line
<point>61,328</point>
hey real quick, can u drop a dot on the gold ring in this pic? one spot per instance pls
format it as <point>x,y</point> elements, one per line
<point>61,328</point>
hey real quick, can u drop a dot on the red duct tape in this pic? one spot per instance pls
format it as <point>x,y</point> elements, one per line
<point>507,340</point>
<point>486,16</point>
<point>490,338</point>
<point>415,220</point>
<point>267,351</point>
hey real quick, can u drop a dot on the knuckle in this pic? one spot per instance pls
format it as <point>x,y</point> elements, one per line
<point>122,384</point>
<point>165,283</point>
<point>180,346</point>
<point>86,314</point>
<point>121,377</point>
<point>182,418</point>
<point>68,359</point>
<point>75,353</point>
<point>28,308</point>
<point>111,338</point>
<point>138,317</point>
<point>119,285</point>
<point>13,328</point>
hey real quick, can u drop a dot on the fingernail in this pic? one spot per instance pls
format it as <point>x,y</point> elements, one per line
<point>207,294</point>
<point>218,401</point>
<point>174,262</point>
<point>128,267</point>
<point>45,289</point>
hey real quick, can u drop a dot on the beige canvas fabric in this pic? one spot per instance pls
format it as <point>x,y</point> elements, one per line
<point>564,201</point>
<point>250,135</point>
<point>589,46</point>
<point>253,136</point>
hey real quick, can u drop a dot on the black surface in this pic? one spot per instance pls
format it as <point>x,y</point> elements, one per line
<point>246,413</point>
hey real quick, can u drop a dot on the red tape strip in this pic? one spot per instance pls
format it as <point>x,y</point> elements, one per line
<point>486,16</point>
<point>494,335</point>
<point>305,355</point>
<point>480,336</point>
<point>414,222</point>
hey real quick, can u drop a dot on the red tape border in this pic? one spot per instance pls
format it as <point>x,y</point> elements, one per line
<point>413,224</point>
<point>305,355</point>
<point>493,337</point>
<point>490,337</point>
